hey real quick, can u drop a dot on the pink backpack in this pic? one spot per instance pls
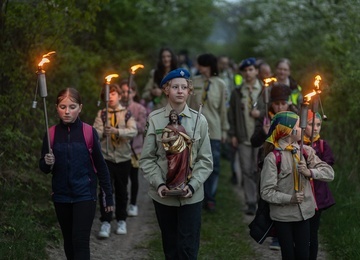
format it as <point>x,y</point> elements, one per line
<point>88,135</point>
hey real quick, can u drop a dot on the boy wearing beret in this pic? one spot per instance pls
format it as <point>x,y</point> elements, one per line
<point>245,106</point>
<point>179,216</point>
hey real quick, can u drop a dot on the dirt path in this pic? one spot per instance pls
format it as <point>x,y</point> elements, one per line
<point>141,227</point>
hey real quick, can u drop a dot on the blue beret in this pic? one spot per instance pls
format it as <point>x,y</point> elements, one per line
<point>178,73</point>
<point>246,63</point>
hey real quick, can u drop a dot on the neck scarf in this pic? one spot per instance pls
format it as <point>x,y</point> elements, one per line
<point>308,141</point>
<point>115,139</point>
<point>281,126</point>
<point>205,91</point>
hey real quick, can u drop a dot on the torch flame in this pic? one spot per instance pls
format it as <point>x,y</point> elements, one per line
<point>45,59</point>
<point>267,81</point>
<point>308,96</point>
<point>135,67</point>
<point>109,77</point>
<point>317,82</point>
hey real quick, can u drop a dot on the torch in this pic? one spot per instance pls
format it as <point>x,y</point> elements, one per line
<point>303,123</point>
<point>43,91</point>
<point>107,90</point>
<point>132,73</point>
<point>315,104</point>
<point>267,82</point>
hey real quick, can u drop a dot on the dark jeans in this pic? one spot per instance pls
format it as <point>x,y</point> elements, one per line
<point>119,174</point>
<point>134,184</point>
<point>314,229</point>
<point>211,184</point>
<point>180,230</point>
<point>294,239</point>
<point>75,221</point>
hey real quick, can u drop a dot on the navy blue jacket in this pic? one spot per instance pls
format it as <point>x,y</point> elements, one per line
<point>73,176</point>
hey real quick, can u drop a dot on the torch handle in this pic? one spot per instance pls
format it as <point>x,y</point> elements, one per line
<point>107,114</point>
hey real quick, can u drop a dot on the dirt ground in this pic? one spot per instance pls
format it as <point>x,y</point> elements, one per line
<point>141,227</point>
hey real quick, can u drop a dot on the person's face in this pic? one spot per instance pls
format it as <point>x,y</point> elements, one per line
<point>166,59</point>
<point>282,71</point>
<point>178,91</point>
<point>127,93</point>
<point>114,99</point>
<point>279,106</point>
<point>204,70</point>
<point>223,64</point>
<point>265,72</point>
<point>249,73</point>
<point>68,110</point>
<point>309,126</point>
<point>173,118</point>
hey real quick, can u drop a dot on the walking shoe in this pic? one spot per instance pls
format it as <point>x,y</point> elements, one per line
<point>121,228</point>
<point>275,244</point>
<point>251,210</point>
<point>104,230</point>
<point>133,210</point>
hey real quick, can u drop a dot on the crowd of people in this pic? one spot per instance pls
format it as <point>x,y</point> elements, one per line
<point>189,115</point>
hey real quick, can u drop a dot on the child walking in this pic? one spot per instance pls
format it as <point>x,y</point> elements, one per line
<point>323,196</point>
<point>288,191</point>
<point>74,180</point>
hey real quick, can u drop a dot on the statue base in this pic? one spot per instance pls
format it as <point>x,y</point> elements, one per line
<point>174,192</point>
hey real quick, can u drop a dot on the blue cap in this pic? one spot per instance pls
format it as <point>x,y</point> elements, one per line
<point>246,63</point>
<point>178,73</point>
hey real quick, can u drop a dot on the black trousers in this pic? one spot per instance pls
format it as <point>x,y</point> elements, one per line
<point>314,230</point>
<point>75,221</point>
<point>180,230</point>
<point>294,239</point>
<point>119,174</point>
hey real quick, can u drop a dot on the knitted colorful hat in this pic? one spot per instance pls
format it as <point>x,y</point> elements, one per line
<point>281,126</point>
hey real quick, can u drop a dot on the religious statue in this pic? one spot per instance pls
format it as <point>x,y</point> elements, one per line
<point>177,145</point>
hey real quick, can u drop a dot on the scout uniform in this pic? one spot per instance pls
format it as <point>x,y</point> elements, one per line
<point>153,161</point>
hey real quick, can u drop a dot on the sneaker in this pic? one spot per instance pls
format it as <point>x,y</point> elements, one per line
<point>275,244</point>
<point>132,211</point>
<point>121,228</point>
<point>104,230</point>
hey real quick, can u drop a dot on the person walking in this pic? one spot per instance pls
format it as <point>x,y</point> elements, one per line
<point>322,192</point>
<point>75,173</point>
<point>179,214</point>
<point>210,91</point>
<point>115,136</point>
<point>245,107</point>
<point>138,112</point>
<point>288,190</point>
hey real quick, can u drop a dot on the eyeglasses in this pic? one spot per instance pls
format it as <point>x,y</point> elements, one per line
<point>176,87</point>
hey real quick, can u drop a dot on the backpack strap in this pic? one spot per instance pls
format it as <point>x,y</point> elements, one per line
<point>52,135</point>
<point>89,140</point>
<point>277,154</point>
<point>321,146</point>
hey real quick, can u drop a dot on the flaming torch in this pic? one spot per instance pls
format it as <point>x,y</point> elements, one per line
<point>43,91</point>
<point>132,73</point>
<point>107,94</point>
<point>267,83</point>
<point>303,123</point>
<point>315,104</point>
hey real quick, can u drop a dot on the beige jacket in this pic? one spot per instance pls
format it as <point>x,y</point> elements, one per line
<point>153,161</point>
<point>214,109</point>
<point>127,131</point>
<point>278,188</point>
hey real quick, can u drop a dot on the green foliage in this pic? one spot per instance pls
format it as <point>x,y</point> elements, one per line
<point>27,216</point>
